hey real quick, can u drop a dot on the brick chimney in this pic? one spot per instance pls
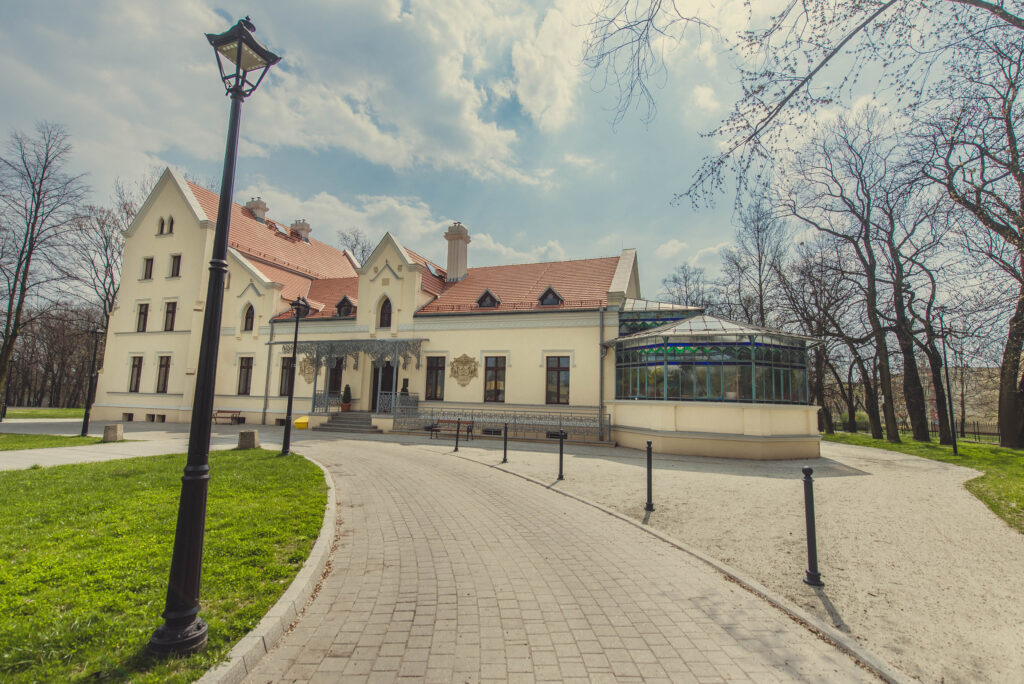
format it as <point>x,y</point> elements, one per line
<point>258,208</point>
<point>301,226</point>
<point>457,237</point>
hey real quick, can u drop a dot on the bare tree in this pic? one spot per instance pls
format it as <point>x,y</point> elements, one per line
<point>357,243</point>
<point>686,285</point>
<point>780,59</point>
<point>39,200</point>
<point>96,258</point>
<point>972,151</point>
<point>752,267</point>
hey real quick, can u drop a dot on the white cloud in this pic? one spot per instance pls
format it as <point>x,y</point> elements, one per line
<point>578,160</point>
<point>704,97</point>
<point>551,250</point>
<point>708,252</point>
<point>669,249</point>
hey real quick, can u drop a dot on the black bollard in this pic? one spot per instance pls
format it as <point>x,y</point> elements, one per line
<point>458,431</point>
<point>561,443</point>
<point>813,577</point>
<point>650,501</point>
<point>504,455</point>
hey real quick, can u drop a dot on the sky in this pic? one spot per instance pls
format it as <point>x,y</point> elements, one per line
<point>395,115</point>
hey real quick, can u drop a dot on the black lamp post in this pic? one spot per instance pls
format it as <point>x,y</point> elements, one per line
<point>92,382</point>
<point>183,631</point>
<point>300,309</point>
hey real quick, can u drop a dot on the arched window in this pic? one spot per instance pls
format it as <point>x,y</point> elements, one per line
<point>160,227</point>
<point>385,314</point>
<point>249,318</point>
<point>170,225</point>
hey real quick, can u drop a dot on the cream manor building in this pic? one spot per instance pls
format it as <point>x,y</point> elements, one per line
<point>567,344</point>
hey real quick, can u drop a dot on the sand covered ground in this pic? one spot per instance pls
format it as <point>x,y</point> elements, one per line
<point>914,566</point>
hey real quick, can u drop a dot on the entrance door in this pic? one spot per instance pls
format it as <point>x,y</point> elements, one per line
<point>383,381</point>
<point>334,377</point>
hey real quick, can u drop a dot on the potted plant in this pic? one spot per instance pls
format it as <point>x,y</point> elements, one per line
<point>346,399</point>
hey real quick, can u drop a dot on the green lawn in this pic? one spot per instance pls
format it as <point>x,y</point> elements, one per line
<point>1001,487</point>
<point>10,441</point>
<point>46,413</point>
<point>85,553</point>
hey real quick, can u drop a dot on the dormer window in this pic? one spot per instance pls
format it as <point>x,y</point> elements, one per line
<point>346,307</point>
<point>550,297</point>
<point>488,300</point>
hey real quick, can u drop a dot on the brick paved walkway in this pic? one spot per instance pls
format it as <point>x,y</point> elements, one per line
<point>450,571</point>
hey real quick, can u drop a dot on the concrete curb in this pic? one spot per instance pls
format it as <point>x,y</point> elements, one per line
<point>823,631</point>
<point>253,646</point>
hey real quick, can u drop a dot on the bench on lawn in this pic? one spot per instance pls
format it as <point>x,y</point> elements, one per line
<point>232,417</point>
<point>448,425</point>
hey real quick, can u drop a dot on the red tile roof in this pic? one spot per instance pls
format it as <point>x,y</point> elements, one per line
<point>583,284</point>
<point>295,285</point>
<point>432,284</point>
<point>325,294</point>
<point>273,242</point>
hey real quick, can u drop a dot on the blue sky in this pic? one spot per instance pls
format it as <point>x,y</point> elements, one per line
<point>393,115</point>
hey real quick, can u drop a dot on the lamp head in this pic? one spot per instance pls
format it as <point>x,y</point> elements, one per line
<point>245,56</point>
<point>301,307</point>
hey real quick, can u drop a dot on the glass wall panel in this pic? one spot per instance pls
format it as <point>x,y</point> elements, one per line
<point>686,380</point>
<point>746,384</point>
<point>701,373</point>
<point>731,382</point>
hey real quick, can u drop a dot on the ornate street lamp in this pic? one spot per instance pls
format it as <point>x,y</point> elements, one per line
<point>183,631</point>
<point>300,309</point>
<point>92,382</point>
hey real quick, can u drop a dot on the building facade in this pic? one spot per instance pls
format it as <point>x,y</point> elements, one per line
<point>569,341</point>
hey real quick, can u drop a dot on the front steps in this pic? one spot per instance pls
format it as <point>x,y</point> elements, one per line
<point>355,422</point>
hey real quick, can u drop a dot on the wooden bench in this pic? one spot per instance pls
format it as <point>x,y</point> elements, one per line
<point>447,425</point>
<point>232,417</point>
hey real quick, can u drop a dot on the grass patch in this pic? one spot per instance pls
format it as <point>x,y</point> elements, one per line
<point>10,441</point>
<point>1001,488</point>
<point>85,553</point>
<point>46,413</point>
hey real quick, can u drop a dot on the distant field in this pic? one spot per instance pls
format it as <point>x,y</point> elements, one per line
<point>45,413</point>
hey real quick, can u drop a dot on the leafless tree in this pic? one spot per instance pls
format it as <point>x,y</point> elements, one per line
<point>972,151</point>
<point>751,268</point>
<point>95,259</point>
<point>779,61</point>
<point>39,201</point>
<point>686,285</point>
<point>357,243</point>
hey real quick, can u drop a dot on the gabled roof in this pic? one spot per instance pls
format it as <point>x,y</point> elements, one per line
<point>272,243</point>
<point>583,284</point>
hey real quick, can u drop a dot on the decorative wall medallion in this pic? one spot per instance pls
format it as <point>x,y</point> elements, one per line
<point>464,369</point>
<point>306,369</point>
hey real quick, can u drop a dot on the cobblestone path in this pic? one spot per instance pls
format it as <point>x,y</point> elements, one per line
<point>449,571</point>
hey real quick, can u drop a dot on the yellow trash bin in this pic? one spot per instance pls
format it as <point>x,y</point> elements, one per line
<point>302,423</point>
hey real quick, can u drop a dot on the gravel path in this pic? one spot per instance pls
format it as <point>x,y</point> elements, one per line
<point>915,567</point>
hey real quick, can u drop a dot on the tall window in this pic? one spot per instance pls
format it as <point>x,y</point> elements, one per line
<point>175,265</point>
<point>435,377</point>
<point>136,374</point>
<point>385,314</point>
<point>248,318</point>
<point>170,225</point>
<point>286,375</point>
<point>160,227</point>
<point>244,374</point>
<point>494,378</point>
<point>169,311</point>
<point>162,373</point>
<point>147,268</point>
<point>557,385</point>
<point>140,322</point>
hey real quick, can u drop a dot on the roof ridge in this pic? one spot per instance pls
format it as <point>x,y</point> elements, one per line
<point>547,263</point>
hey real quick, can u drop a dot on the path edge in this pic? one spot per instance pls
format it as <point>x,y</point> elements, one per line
<point>847,644</point>
<point>250,649</point>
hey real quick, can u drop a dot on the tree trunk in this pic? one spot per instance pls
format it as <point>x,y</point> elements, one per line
<point>1010,390</point>
<point>941,406</point>
<point>913,391</point>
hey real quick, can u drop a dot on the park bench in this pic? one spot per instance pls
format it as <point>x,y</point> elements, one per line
<point>232,417</point>
<point>447,425</point>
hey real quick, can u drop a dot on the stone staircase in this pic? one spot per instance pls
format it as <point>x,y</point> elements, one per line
<point>352,421</point>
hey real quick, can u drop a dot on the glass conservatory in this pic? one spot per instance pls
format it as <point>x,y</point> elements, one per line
<point>703,358</point>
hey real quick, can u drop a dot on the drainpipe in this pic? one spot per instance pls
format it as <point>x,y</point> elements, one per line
<point>601,351</point>
<point>266,383</point>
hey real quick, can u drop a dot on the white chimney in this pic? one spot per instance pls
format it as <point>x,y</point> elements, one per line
<point>301,226</point>
<point>457,237</point>
<point>258,208</point>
